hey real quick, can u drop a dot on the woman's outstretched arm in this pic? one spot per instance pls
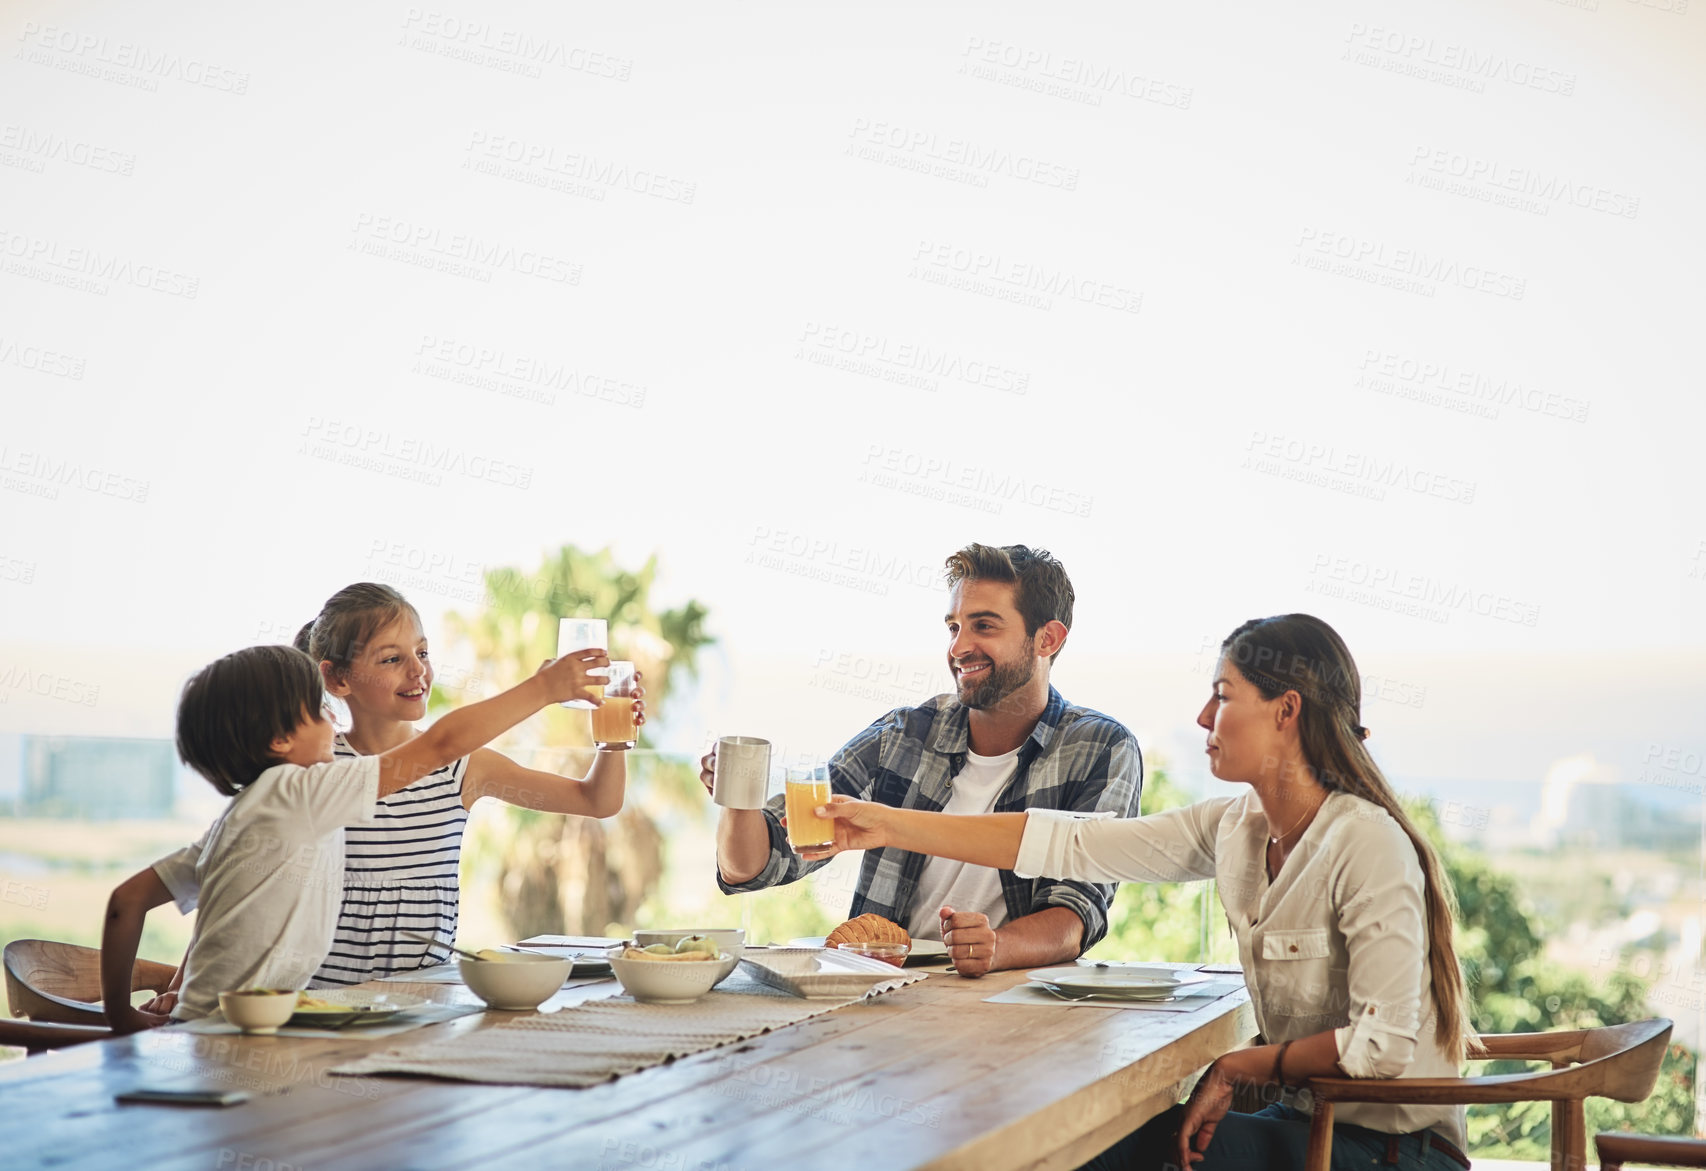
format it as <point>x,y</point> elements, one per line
<point>983,839</point>
<point>1175,846</point>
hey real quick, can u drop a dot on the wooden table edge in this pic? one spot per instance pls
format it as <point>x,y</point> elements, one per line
<point>1114,1112</point>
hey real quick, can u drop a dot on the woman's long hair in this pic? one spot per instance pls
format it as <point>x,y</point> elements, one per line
<point>1301,653</point>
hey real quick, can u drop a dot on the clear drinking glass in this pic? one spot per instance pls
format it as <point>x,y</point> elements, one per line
<point>807,788</point>
<point>583,634</point>
<point>613,720</point>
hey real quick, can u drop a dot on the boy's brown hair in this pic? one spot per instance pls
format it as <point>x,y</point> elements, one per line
<point>233,708</point>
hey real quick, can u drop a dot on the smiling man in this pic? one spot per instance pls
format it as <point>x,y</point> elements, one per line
<point>1004,741</point>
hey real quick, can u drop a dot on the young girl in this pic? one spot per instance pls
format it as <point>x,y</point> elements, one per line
<point>400,872</point>
<point>1342,910</point>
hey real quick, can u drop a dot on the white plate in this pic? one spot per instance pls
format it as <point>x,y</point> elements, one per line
<point>1127,980</point>
<point>922,949</point>
<point>587,960</point>
<point>346,1006</point>
<point>1152,995</point>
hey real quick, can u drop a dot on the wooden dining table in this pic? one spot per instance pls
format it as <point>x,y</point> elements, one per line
<point>925,1076</point>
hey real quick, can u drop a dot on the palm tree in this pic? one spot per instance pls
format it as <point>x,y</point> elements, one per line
<point>574,874</point>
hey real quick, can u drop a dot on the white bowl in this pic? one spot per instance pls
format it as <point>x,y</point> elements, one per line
<point>667,981</point>
<point>258,1010</point>
<point>730,939</point>
<point>518,982</point>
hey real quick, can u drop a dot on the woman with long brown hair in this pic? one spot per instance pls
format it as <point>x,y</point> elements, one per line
<point>1342,910</point>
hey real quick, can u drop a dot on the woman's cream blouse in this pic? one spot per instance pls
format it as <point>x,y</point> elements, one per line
<point>1338,941</point>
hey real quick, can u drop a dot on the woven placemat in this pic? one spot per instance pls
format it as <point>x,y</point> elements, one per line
<point>592,1043</point>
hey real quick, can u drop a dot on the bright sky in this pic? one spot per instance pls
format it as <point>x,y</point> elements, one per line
<point>1386,312</point>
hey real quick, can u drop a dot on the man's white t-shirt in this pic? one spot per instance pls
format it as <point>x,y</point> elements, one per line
<point>945,883</point>
<point>268,877</point>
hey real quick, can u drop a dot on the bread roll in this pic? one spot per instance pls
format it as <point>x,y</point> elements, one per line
<point>867,929</point>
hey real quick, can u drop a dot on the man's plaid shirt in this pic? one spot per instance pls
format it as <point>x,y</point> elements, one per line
<point>1074,759</point>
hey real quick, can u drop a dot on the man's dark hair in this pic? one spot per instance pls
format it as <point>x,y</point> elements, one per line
<point>233,708</point>
<point>1042,591</point>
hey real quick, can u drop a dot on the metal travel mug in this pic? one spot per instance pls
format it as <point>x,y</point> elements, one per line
<point>741,779</point>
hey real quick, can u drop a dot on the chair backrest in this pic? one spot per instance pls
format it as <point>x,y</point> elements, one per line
<point>1646,1149</point>
<point>1616,1061</point>
<point>61,982</point>
<point>1627,1057</point>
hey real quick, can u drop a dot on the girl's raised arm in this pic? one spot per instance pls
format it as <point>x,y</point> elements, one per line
<point>600,794</point>
<point>462,731</point>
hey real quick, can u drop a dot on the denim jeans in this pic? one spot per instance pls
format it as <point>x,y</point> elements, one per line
<point>1275,1139</point>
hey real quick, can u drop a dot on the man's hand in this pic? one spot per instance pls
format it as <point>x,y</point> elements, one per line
<point>859,825</point>
<point>970,939</point>
<point>708,769</point>
<point>1208,1104</point>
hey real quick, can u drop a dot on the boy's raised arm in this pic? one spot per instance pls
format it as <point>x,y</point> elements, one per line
<point>460,732</point>
<point>120,935</point>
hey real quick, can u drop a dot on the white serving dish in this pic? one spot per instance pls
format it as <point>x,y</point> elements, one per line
<point>816,974</point>
<point>518,982</point>
<point>924,951</point>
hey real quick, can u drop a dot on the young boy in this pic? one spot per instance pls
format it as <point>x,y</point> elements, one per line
<point>268,875</point>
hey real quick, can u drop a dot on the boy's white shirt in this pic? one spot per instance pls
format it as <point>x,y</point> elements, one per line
<point>268,879</point>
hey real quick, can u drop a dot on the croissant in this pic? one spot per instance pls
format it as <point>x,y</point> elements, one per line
<point>867,929</point>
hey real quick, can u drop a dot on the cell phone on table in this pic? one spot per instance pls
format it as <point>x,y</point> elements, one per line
<point>184,1095</point>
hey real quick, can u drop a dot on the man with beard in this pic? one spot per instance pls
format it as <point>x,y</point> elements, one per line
<point>1004,742</point>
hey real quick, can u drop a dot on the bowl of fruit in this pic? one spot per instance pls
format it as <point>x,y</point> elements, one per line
<point>729,941</point>
<point>679,973</point>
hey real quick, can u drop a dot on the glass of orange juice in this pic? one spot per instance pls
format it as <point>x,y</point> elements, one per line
<point>613,720</point>
<point>583,634</point>
<point>807,788</point>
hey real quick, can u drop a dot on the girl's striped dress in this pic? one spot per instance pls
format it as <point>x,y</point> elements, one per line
<point>399,872</point>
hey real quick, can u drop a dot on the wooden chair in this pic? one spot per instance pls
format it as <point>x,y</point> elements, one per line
<point>60,983</point>
<point>1618,1149</point>
<point>1618,1061</point>
<point>38,1036</point>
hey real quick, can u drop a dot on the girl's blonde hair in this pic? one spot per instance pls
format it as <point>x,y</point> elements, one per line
<point>349,620</point>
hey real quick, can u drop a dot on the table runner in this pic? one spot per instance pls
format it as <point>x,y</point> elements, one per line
<point>402,1022</point>
<point>605,1039</point>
